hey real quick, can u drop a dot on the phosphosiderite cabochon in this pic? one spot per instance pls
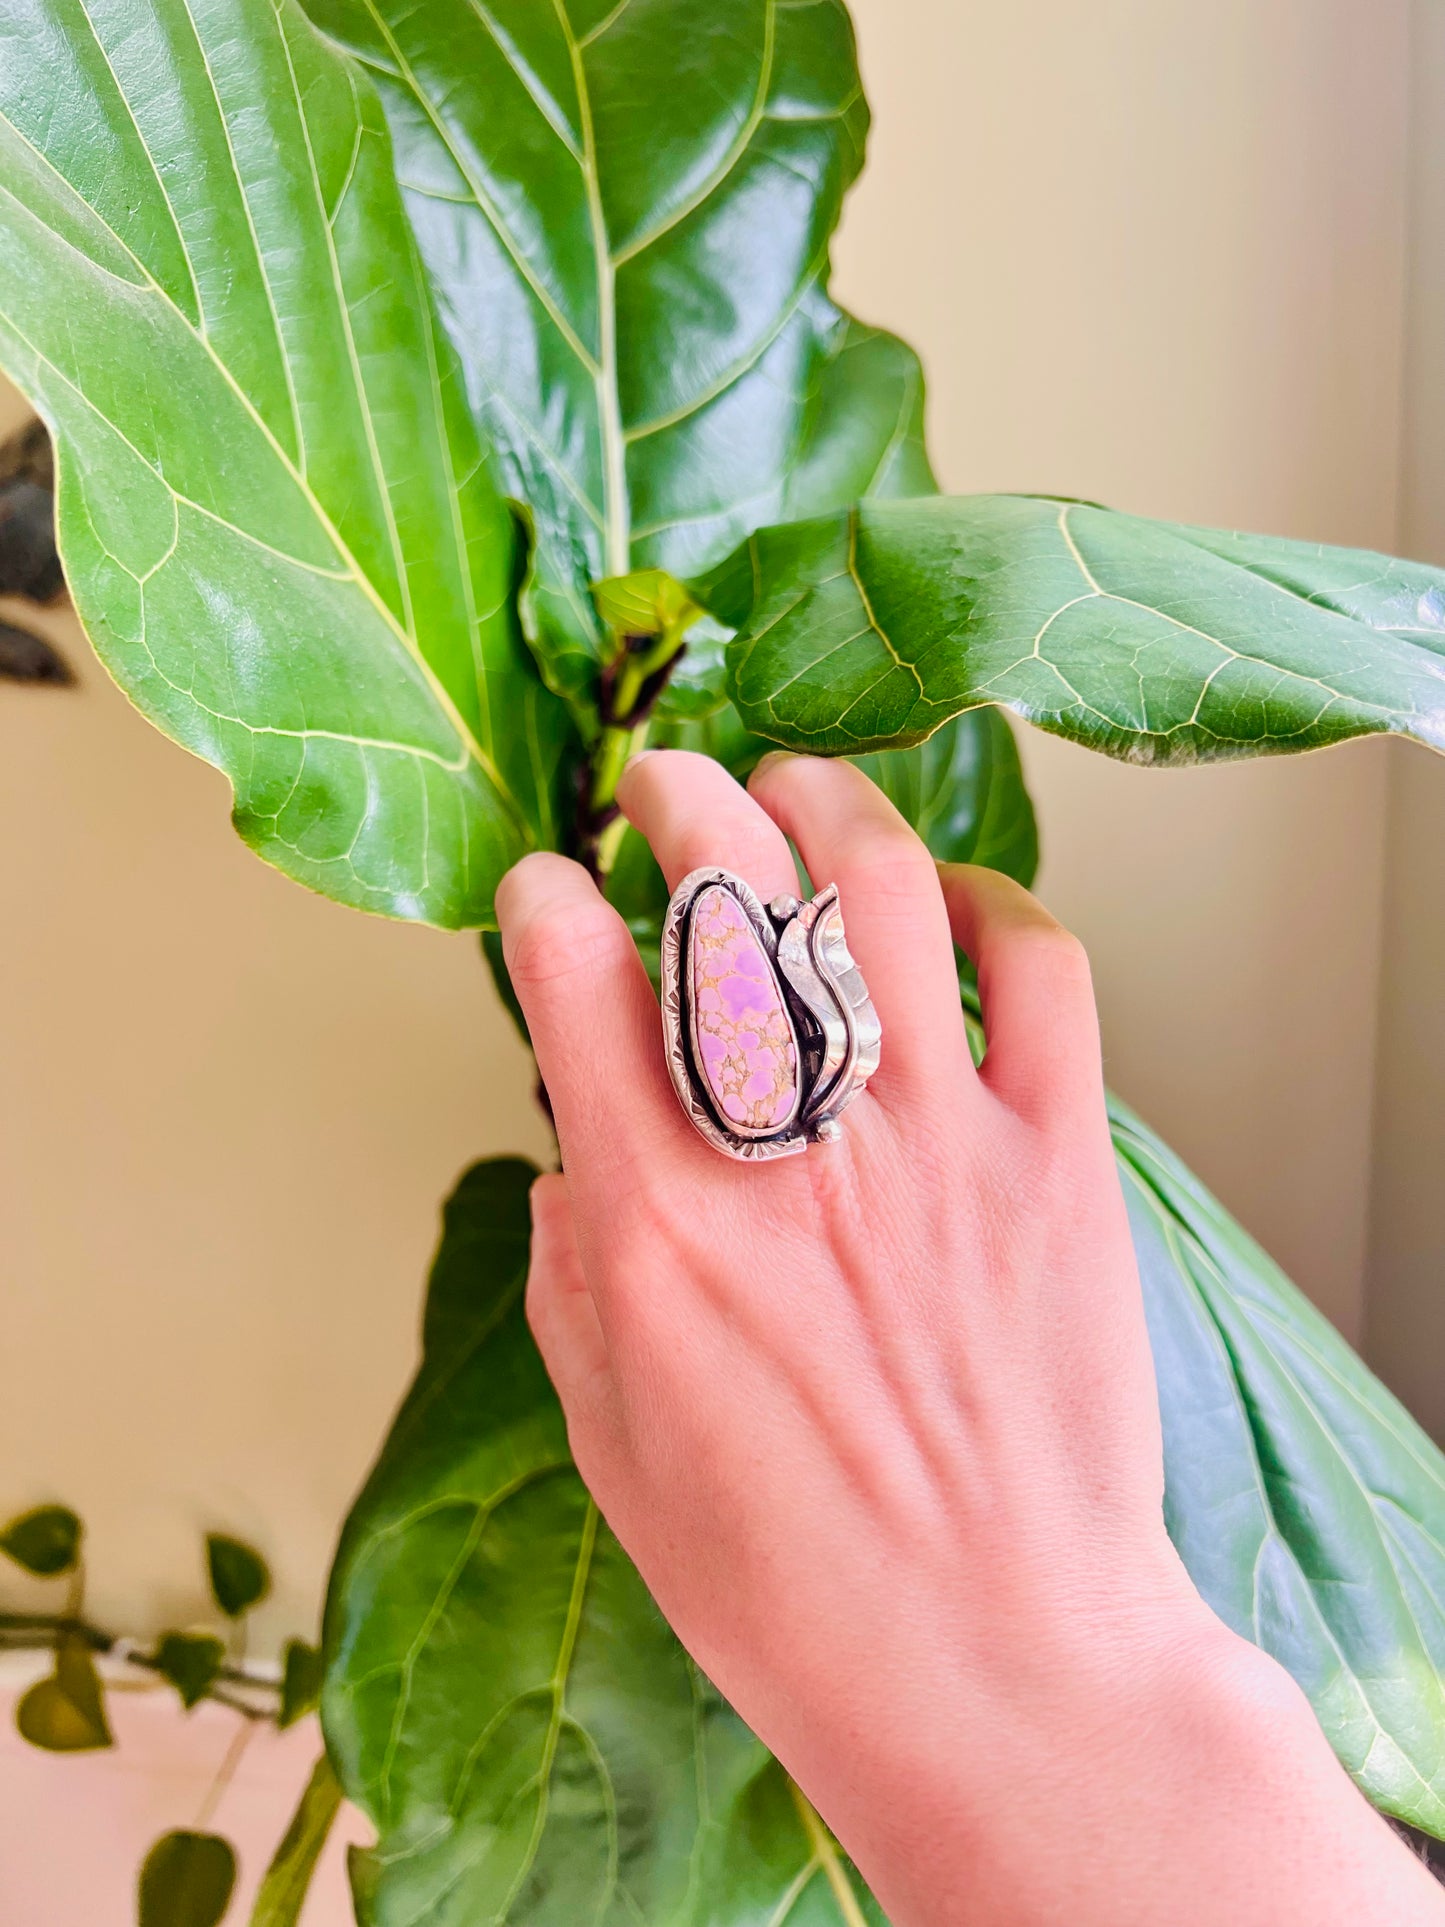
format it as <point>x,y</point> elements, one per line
<point>742,1037</point>
<point>767,1025</point>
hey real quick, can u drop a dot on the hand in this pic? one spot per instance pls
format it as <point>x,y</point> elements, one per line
<point>878,1423</point>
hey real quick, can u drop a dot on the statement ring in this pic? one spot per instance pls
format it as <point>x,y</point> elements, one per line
<point>769,1028</point>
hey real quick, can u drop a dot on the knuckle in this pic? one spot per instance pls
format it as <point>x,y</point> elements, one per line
<point>1048,950</point>
<point>739,843</point>
<point>554,947</point>
<point>892,867</point>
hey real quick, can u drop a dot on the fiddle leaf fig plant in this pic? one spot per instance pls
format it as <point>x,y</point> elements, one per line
<point>1146,640</point>
<point>447,399</point>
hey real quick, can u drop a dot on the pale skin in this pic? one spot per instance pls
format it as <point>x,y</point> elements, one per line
<point>878,1424</point>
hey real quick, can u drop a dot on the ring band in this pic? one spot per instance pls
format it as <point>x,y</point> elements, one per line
<point>769,1028</point>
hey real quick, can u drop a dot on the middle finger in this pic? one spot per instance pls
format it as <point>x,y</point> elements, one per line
<point>695,816</point>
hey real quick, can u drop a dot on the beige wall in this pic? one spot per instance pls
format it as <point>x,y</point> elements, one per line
<point>1405,1335</point>
<point>1152,253</point>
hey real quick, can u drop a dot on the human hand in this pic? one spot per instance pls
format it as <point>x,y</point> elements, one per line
<point>878,1423</point>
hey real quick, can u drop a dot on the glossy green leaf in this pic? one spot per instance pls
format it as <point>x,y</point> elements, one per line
<point>625,212</point>
<point>1307,1504</point>
<point>238,1574</point>
<point>649,602</point>
<point>287,1880</point>
<point>186,1880</point>
<point>1146,640</point>
<point>278,523</point>
<point>45,1541</point>
<point>190,1661</point>
<point>503,1699</point>
<point>300,1681</point>
<point>65,1712</point>
<point>963,791</point>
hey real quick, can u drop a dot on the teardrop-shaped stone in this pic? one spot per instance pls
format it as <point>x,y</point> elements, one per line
<point>743,1038</point>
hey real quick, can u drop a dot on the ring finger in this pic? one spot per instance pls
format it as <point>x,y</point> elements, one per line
<point>849,833</point>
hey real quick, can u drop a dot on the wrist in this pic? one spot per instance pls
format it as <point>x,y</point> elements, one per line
<point>1017,1791</point>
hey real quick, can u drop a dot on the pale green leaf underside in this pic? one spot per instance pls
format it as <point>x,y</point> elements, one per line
<point>504,1700</point>
<point>625,213</point>
<point>1150,641</point>
<point>1307,1504</point>
<point>277,521</point>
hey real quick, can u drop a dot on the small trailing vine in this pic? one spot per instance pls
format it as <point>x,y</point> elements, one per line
<point>189,1874</point>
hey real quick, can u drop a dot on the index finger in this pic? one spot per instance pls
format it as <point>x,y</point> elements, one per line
<point>593,1019</point>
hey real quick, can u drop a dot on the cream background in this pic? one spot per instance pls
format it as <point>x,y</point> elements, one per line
<point>1151,252</point>
<point>1405,1330</point>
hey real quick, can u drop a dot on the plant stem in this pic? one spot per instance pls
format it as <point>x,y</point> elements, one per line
<point>631,684</point>
<point>224,1775</point>
<point>39,1632</point>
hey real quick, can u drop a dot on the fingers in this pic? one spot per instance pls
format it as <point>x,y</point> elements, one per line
<point>850,834</point>
<point>592,1017</point>
<point>695,816</point>
<point>559,1306</point>
<point>1037,995</point>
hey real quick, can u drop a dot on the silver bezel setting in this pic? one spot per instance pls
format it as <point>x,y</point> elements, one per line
<point>835,1028</point>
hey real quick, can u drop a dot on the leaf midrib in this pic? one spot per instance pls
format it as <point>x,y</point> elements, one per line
<point>616,509</point>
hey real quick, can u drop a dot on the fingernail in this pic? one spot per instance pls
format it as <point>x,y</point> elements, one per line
<point>637,756</point>
<point>772,759</point>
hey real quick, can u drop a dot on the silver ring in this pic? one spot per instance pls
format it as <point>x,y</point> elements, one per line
<point>769,1027</point>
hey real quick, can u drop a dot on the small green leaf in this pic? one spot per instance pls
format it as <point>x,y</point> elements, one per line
<point>649,602</point>
<point>300,1681</point>
<point>288,1878</point>
<point>45,1541</point>
<point>239,1575</point>
<point>186,1881</point>
<point>65,1713</point>
<point>190,1661</point>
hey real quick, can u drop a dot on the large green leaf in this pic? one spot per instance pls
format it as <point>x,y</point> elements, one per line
<point>625,211</point>
<point>1147,640</point>
<point>1307,1504</point>
<point>503,1698</point>
<point>963,791</point>
<point>278,522</point>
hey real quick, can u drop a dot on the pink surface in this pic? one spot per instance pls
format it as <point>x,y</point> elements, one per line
<point>743,1036</point>
<point>75,1828</point>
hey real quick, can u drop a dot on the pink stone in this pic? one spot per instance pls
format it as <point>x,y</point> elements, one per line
<point>744,1043</point>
